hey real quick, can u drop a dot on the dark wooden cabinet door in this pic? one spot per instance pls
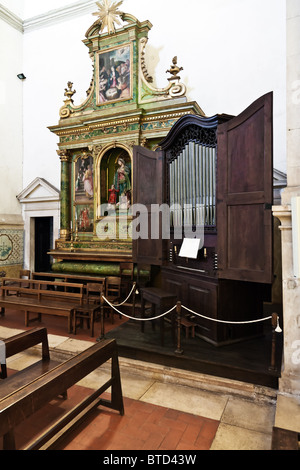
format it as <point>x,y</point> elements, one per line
<point>245,194</point>
<point>147,191</point>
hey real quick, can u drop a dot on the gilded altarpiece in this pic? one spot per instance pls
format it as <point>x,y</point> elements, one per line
<point>122,109</point>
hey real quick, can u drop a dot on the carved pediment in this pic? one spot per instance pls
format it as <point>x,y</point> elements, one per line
<point>39,190</point>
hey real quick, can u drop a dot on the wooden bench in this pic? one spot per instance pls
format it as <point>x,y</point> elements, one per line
<point>16,404</point>
<point>65,277</point>
<point>25,340</point>
<point>41,297</point>
<point>20,343</point>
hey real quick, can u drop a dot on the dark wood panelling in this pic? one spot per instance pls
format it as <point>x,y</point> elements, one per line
<point>244,194</point>
<point>232,275</point>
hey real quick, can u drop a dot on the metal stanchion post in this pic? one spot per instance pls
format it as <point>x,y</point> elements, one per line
<point>178,312</point>
<point>102,333</point>
<point>133,299</point>
<point>273,350</point>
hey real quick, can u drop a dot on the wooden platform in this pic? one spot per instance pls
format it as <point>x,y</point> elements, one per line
<point>247,361</point>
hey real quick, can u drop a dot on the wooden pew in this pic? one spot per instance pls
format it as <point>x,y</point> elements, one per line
<point>17,405</point>
<point>41,297</point>
<point>25,340</point>
<point>65,277</point>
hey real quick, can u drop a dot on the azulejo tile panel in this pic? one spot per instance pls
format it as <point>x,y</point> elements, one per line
<point>11,247</point>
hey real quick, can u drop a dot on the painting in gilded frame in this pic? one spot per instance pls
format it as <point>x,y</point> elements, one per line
<point>114,81</point>
<point>84,179</point>
<point>84,193</point>
<point>84,217</point>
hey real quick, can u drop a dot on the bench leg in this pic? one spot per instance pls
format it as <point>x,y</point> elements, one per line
<point>9,441</point>
<point>116,388</point>
<point>2,312</point>
<point>27,319</point>
<point>70,321</point>
<point>92,324</point>
<point>3,374</point>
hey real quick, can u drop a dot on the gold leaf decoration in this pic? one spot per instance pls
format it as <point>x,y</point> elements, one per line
<point>108,14</point>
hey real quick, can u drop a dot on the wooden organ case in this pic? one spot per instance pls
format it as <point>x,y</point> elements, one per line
<point>217,172</point>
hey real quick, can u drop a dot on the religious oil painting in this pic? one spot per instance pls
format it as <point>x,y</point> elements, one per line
<point>84,218</point>
<point>114,75</point>
<point>84,179</point>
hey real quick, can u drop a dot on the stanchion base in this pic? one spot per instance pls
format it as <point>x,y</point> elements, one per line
<point>100,338</point>
<point>179,351</point>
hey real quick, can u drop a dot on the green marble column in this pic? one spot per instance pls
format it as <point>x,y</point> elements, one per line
<point>65,195</point>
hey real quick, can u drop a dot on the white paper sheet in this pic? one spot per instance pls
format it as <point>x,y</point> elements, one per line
<point>190,248</point>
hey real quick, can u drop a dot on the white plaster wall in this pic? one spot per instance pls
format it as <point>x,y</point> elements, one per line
<point>11,118</point>
<point>53,56</point>
<point>293,94</point>
<point>232,52</point>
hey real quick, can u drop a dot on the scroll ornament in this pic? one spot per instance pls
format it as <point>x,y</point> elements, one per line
<point>65,111</point>
<point>177,88</point>
<point>173,90</point>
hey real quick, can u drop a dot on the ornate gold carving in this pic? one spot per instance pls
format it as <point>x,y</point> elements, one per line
<point>64,155</point>
<point>132,143</point>
<point>69,92</point>
<point>88,92</point>
<point>64,112</point>
<point>148,92</point>
<point>64,234</point>
<point>177,88</point>
<point>95,150</point>
<point>148,77</point>
<point>108,15</point>
<point>174,70</point>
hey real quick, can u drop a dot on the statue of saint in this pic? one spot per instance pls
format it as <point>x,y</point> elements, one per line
<point>122,182</point>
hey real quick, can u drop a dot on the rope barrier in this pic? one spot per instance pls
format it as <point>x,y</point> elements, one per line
<point>113,306</point>
<point>179,307</point>
<point>228,322</point>
<point>135,318</point>
<point>129,295</point>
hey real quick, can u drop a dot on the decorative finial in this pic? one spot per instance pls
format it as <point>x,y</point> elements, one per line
<point>69,92</point>
<point>174,70</point>
<point>108,15</point>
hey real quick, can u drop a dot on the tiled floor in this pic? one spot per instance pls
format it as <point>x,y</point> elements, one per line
<point>165,409</point>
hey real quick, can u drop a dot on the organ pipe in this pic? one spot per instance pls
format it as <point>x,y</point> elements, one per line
<point>192,177</point>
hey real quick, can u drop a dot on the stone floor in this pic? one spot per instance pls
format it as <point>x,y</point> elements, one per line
<point>167,408</point>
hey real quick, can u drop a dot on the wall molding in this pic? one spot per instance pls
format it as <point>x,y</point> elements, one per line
<point>49,18</point>
<point>12,19</point>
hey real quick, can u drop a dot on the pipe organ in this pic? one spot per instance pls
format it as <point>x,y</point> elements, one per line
<point>192,193</point>
<point>216,176</point>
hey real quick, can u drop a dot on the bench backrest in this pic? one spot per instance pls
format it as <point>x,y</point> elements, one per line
<point>25,340</point>
<point>43,288</point>
<point>81,279</point>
